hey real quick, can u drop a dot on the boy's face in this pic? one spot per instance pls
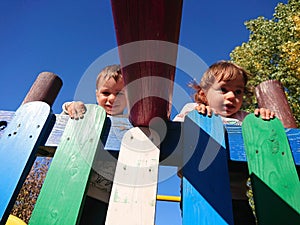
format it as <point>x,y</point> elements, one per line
<point>226,97</point>
<point>111,96</point>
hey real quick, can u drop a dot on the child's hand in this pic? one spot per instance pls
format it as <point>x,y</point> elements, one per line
<point>266,114</point>
<point>76,110</point>
<point>204,110</point>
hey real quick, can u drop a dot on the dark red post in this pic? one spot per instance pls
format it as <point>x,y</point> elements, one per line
<point>270,94</point>
<point>147,35</point>
<point>45,88</point>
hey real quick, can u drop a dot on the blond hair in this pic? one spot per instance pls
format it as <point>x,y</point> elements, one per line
<point>111,71</point>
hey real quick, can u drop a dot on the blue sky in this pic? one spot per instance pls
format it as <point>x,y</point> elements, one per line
<point>66,37</point>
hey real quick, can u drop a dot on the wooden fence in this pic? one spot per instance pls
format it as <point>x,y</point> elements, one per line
<point>200,145</point>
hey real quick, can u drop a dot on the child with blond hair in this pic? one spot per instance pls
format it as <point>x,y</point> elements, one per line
<point>110,95</point>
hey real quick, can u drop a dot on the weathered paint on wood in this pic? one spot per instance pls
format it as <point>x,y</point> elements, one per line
<point>134,189</point>
<point>63,190</point>
<point>196,210</point>
<point>235,139</point>
<point>27,130</point>
<point>237,148</point>
<point>206,170</point>
<point>274,178</point>
<point>171,146</point>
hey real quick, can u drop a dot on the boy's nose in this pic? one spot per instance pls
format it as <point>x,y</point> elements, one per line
<point>111,98</point>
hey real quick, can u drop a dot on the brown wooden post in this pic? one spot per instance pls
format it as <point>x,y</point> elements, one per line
<point>270,94</point>
<point>45,88</point>
<point>144,63</point>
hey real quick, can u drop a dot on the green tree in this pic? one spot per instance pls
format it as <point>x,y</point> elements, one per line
<point>273,52</point>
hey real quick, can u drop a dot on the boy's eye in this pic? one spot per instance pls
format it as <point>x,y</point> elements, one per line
<point>106,93</point>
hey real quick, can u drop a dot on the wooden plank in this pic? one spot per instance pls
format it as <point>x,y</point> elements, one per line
<point>274,178</point>
<point>237,148</point>
<point>19,143</point>
<point>196,209</point>
<point>206,170</point>
<point>63,190</point>
<point>171,146</point>
<point>135,183</point>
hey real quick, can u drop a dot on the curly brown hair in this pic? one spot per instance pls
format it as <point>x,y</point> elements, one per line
<point>220,71</point>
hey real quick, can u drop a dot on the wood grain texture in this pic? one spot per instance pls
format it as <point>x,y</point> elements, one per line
<point>237,148</point>
<point>45,88</point>
<point>63,190</point>
<point>147,34</point>
<point>134,189</point>
<point>206,170</point>
<point>196,210</point>
<point>171,146</point>
<point>27,130</point>
<point>270,95</point>
<point>273,173</point>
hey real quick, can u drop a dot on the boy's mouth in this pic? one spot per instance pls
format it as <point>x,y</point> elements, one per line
<point>229,107</point>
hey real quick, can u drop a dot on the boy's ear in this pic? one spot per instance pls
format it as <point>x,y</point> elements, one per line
<point>97,97</point>
<point>202,97</point>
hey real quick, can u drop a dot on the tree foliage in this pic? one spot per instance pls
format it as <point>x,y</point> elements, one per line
<point>30,190</point>
<point>273,52</point>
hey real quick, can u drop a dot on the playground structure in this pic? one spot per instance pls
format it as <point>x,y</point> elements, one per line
<point>140,148</point>
<point>205,192</point>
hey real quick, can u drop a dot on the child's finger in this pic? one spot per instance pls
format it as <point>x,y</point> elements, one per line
<point>272,115</point>
<point>78,110</point>
<point>201,109</point>
<point>72,112</point>
<point>209,111</point>
<point>264,113</point>
<point>256,112</point>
